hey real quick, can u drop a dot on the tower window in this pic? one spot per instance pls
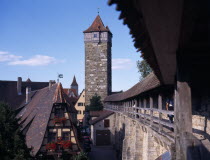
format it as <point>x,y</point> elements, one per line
<point>95,35</point>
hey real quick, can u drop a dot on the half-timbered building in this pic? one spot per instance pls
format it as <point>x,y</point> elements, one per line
<point>48,121</point>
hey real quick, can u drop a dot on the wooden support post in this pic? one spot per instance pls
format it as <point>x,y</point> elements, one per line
<point>125,107</point>
<point>151,111</point>
<point>160,106</point>
<point>126,103</point>
<point>183,109</point>
<point>129,103</point>
<point>145,105</point>
<point>135,110</point>
<point>140,105</point>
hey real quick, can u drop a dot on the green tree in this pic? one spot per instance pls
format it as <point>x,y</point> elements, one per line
<point>12,142</point>
<point>143,68</point>
<point>95,103</point>
<point>80,156</point>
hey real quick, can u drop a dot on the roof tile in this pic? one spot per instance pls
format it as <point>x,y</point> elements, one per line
<point>97,26</point>
<point>148,83</point>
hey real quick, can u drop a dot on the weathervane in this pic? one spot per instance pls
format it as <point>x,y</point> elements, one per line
<point>59,76</point>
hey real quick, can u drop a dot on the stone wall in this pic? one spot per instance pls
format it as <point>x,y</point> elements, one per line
<point>201,129</point>
<point>201,123</point>
<point>97,70</point>
<point>201,118</point>
<point>135,141</point>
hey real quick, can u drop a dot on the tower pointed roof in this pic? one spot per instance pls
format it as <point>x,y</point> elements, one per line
<point>28,80</point>
<point>74,82</point>
<point>97,26</point>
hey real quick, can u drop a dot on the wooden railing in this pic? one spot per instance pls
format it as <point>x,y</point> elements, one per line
<point>151,117</point>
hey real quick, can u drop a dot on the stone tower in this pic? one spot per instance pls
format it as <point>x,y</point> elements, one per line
<point>98,44</point>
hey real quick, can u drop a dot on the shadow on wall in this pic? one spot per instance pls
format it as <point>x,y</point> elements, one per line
<point>196,151</point>
<point>201,126</point>
<point>119,137</point>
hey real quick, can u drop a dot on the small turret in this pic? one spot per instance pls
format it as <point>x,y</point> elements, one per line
<point>74,85</point>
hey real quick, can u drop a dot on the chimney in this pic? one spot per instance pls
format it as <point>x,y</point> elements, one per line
<point>19,85</point>
<point>51,82</point>
<point>28,91</point>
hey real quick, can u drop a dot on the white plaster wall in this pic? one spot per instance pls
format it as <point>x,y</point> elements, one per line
<point>100,126</point>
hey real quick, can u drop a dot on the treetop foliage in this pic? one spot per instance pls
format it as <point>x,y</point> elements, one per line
<point>95,103</point>
<point>143,68</point>
<point>12,142</point>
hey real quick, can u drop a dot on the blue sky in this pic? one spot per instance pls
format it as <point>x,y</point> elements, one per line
<point>40,38</point>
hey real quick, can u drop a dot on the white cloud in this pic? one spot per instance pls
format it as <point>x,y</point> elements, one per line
<point>121,63</point>
<point>6,57</point>
<point>3,52</point>
<point>37,60</point>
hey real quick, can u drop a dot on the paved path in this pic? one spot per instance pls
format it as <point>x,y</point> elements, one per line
<point>102,153</point>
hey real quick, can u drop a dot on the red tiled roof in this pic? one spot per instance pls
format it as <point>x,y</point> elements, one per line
<point>37,112</point>
<point>74,91</point>
<point>95,113</point>
<point>68,91</point>
<point>102,115</point>
<point>148,83</point>
<point>97,26</point>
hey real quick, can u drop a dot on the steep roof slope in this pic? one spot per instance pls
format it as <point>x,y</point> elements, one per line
<point>97,26</point>
<point>100,116</point>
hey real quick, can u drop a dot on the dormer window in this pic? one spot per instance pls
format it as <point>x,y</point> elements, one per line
<point>95,35</point>
<point>59,111</point>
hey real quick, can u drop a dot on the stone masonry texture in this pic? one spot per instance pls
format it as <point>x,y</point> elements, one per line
<point>97,70</point>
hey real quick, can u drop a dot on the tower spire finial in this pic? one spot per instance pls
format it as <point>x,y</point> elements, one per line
<point>98,11</point>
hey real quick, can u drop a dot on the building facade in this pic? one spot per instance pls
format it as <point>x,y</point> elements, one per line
<point>102,124</point>
<point>48,122</point>
<point>80,106</point>
<point>98,43</point>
